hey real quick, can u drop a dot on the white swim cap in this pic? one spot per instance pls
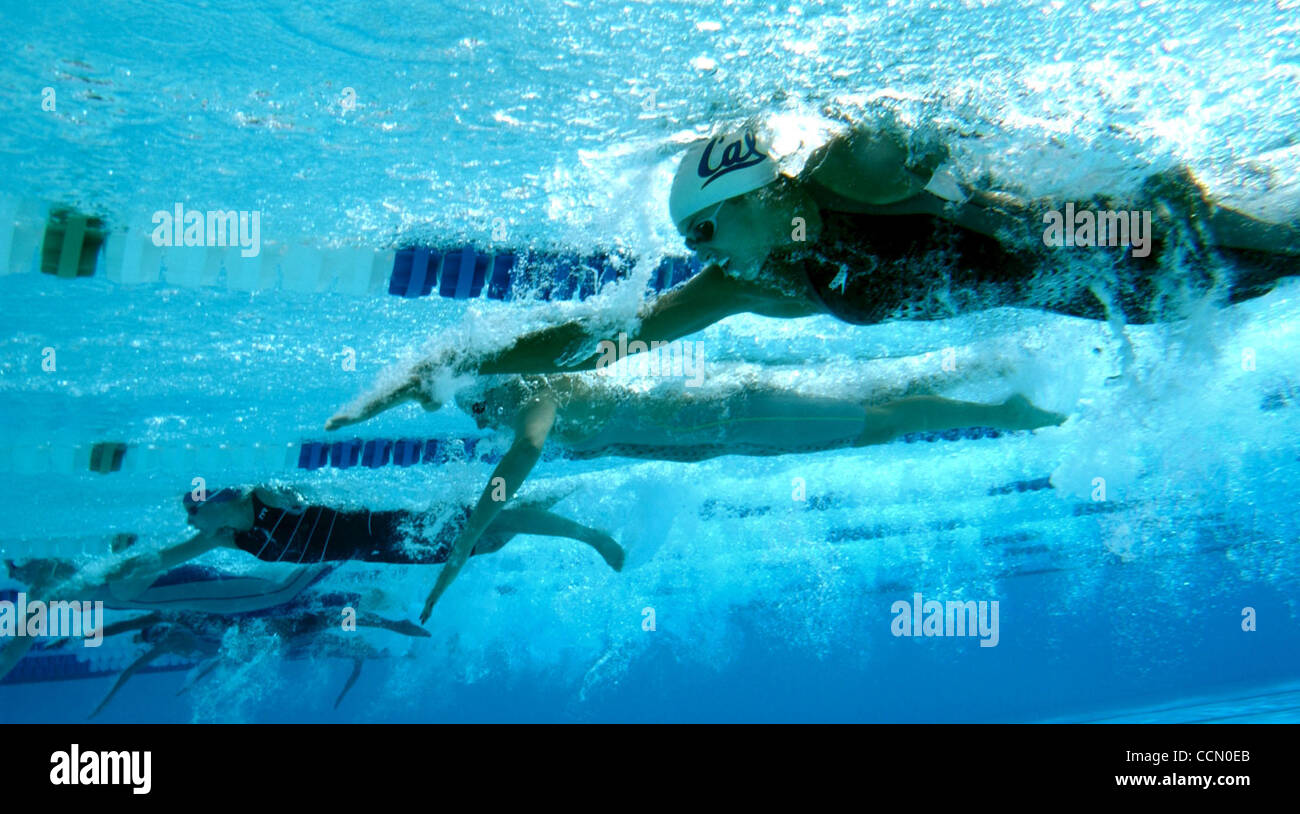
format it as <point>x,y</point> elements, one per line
<point>717,169</point>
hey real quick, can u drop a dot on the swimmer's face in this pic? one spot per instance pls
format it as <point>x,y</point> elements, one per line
<point>741,232</point>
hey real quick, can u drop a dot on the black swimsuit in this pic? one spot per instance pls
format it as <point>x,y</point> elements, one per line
<point>317,534</point>
<point>867,269</point>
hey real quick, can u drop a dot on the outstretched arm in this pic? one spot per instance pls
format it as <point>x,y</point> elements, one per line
<point>134,576</point>
<point>534,425</point>
<point>706,298</point>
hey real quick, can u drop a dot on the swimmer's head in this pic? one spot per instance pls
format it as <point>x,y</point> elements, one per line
<point>717,169</point>
<point>733,206</point>
<point>227,508</point>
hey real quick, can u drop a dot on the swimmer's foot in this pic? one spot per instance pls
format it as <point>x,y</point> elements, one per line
<point>1020,414</point>
<point>611,551</point>
<point>408,629</point>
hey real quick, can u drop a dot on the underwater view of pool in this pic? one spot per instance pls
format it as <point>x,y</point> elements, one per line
<point>223,223</point>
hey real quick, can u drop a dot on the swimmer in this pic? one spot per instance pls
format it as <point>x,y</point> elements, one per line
<point>277,526</point>
<point>183,588</point>
<point>593,416</point>
<point>306,632</point>
<point>869,233</point>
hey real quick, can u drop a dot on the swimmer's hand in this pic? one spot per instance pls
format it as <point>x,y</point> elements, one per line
<point>411,389</point>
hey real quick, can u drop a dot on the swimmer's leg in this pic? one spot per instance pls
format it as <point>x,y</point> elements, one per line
<point>886,422</point>
<point>357,664</point>
<point>117,628</point>
<point>203,671</point>
<point>158,650</point>
<point>546,524</point>
<point>401,626</point>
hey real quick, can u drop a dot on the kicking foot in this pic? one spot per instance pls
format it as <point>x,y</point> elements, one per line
<point>1021,414</point>
<point>613,554</point>
<point>409,629</point>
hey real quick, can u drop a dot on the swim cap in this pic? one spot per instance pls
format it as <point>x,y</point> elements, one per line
<point>717,169</point>
<point>192,505</point>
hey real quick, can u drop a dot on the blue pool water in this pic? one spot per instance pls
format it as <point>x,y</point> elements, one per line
<point>557,126</point>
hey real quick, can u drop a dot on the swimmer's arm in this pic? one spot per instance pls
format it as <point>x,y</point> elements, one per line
<point>134,576</point>
<point>134,573</point>
<point>870,167</point>
<point>706,298</point>
<point>281,498</point>
<point>535,422</point>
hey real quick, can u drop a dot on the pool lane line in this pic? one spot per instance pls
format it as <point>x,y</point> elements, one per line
<point>109,456</point>
<point>41,237</point>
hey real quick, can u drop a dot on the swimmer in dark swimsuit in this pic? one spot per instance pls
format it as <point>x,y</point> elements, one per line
<point>277,527</point>
<point>304,630</point>
<point>731,412</point>
<point>870,231</point>
<point>134,582</point>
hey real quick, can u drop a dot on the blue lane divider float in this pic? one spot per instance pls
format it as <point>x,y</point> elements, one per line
<point>462,273</point>
<point>41,236</point>
<point>41,666</point>
<point>379,452</point>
